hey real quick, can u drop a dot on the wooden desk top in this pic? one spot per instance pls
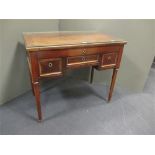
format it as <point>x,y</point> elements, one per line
<point>55,40</point>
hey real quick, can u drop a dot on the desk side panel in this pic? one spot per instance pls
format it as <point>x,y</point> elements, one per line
<point>33,59</point>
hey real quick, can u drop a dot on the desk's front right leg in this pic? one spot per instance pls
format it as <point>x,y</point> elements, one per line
<point>36,87</point>
<point>112,83</point>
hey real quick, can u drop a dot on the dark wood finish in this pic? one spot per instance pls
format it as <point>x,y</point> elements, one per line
<point>51,54</point>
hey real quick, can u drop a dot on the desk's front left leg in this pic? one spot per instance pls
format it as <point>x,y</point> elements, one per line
<point>115,70</point>
<point>36,87</point>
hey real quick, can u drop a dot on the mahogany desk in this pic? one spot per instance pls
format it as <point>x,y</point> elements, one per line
<point>50,54</point>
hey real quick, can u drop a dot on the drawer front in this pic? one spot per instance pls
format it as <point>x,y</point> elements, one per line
<point>50,67</point>
<point>109,59</point>
<point>82,60</point>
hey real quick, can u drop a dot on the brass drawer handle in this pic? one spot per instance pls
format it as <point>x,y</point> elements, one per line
<point>50,65</point>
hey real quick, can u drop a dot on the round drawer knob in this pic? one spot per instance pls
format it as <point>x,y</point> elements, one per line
<point>50,64</point>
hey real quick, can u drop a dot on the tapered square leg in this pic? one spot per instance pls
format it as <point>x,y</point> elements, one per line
<point>112,83</point>
<point>32,88</point>
<point>36,88</point>
<point>91,74</point>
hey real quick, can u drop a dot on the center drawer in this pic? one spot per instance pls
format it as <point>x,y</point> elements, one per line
<point>82,60</point>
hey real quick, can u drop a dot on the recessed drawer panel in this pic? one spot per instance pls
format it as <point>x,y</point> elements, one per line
<point>109,59</point>
<point>79,60</point>
<point>50,67</point>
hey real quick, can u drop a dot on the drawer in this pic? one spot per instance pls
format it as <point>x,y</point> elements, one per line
<point>82,60</point>
<point>109,59</point>
<point>50,67</point>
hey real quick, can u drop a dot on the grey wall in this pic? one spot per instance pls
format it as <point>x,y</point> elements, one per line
<point>138,53</point>
<point>14,77</point>
<point>153,33</point>
<point>0,60</point>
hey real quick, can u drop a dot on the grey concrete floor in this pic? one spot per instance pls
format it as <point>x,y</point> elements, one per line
<point>73,106</point>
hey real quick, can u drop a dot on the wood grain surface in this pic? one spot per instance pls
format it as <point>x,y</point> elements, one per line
<point>41,40</point>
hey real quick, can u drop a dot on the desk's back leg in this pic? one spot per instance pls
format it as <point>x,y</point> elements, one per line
<point>37,96</point>
<point>92,74</point>
<point>112,83</point>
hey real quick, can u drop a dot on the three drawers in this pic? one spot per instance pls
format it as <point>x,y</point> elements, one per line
<point>55,66</point>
